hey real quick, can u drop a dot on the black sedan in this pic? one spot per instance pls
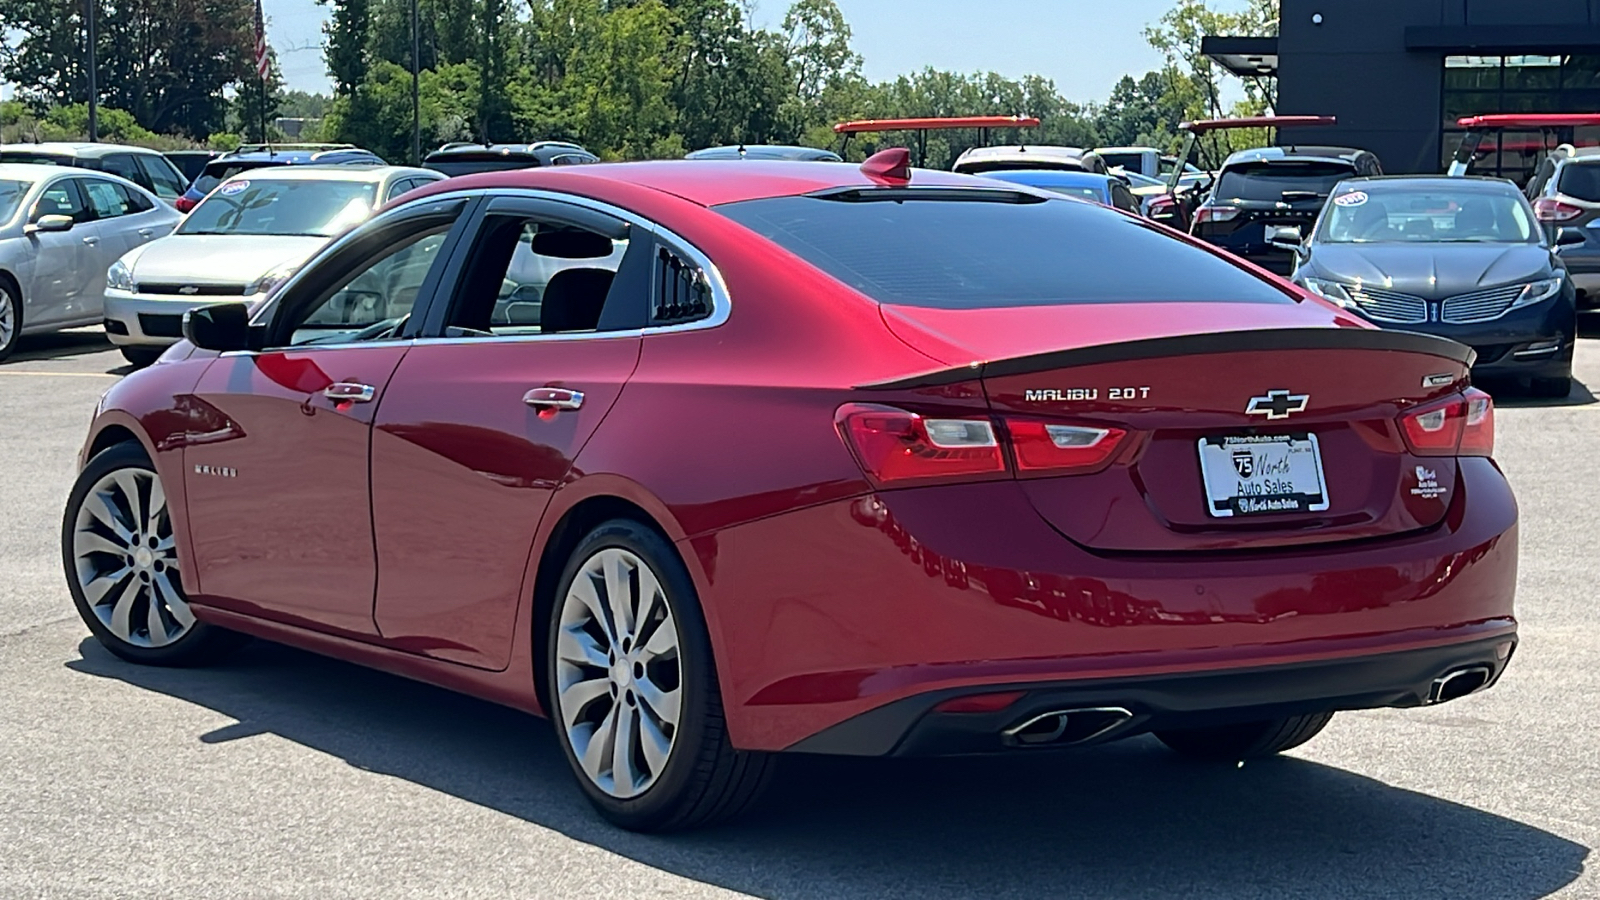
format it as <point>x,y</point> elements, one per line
<point>1463,258</point>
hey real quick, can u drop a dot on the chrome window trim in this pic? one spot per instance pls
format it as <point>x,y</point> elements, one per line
<point>722,301</point>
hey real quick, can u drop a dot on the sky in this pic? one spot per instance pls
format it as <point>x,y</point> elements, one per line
<point>1085,46</point>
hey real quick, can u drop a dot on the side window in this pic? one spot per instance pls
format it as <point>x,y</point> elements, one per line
<point>161,177</point>
<point>373,302</point>
<point>400,186</point>
<point>106,199</point>
<point>137,202</point>
<point>682,293</point>
<point>61,199</point>
<point>124,165</point>
<point>527,276</point>
<point>1123,199</point>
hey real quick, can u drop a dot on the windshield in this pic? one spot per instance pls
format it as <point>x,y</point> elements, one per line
<point>975,254</point>
<point>1427,214</point>
<point>282,207</point>
<point>1290,181</point>
<point>11,194</point>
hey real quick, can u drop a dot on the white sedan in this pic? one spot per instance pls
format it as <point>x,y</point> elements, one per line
<point>62,227</point>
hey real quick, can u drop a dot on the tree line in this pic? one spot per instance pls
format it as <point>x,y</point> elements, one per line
<point>625,78</point>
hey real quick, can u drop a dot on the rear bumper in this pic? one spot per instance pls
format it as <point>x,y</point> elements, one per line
<point>825,614</point>
<point>913,727</point>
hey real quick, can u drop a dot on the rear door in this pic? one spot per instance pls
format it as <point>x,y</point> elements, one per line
<point>279,501</point>
<point>486,414</point>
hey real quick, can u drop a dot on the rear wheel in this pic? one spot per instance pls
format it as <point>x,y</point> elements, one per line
<point>1550,388</point>
<point>10,318</point>
<point>141,356</point>
<point>1247,740</point>
<point>633,688</point>
<point>121,559</point>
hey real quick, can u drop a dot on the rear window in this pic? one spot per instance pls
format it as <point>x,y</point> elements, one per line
<point>218,172</point>
<point>1133,162</point>
<point>454,167</point>
<point>24,156</point>
<point>974,254</point>
<point>1581,181</point>
<point>1269,181</point>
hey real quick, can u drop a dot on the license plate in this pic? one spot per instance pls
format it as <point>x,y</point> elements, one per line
<point>1259,474</point>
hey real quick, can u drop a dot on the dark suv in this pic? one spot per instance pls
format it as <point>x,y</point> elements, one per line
<point>1566,199</point>
<point>1270,186</point>
<point>259,156</point>
<point>467,159</point>
<point>146,168</point>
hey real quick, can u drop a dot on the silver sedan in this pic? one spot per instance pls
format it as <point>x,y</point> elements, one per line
<point>60,229</point>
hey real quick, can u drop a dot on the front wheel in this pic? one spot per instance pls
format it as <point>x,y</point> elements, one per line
<point>1247,740</point>
<point>140,357</point>
<point>121,560</point>
<point>633,688</point>
<point>10,319</point>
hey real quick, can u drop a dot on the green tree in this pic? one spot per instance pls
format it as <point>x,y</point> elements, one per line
<point>1195,81</point>
<point>246,113</point>
<point>347,31</point>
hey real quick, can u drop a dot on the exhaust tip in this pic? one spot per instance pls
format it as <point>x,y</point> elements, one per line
<point>1066,727</point>
<point>1458,683</point>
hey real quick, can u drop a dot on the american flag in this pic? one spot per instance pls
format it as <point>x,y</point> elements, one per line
<point>261,44</point>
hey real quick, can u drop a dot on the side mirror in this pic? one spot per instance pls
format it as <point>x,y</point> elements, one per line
<point>220,326</point>
<point>47,224</point>
<point>1285,237</point>
<point>1567,237</point>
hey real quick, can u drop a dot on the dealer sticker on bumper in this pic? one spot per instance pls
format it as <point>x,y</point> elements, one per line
<point>1262,473</point>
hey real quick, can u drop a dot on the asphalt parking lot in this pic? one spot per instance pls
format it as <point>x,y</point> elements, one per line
<point>287,775</point>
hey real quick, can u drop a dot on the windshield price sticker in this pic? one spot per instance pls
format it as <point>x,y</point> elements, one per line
<point>1259,474</point>
<point>233,187</point>
<point>1354,198</point>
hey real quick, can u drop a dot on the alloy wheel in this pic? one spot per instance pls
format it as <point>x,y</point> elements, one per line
<point>126,559</point>
<point>8,317</point>
<point>618,674</point>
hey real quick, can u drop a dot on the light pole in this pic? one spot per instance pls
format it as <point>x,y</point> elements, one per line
<point>94,99</point>
<point>416,108</point>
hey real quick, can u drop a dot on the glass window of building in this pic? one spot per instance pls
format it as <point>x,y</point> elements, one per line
<point>1480,85</point>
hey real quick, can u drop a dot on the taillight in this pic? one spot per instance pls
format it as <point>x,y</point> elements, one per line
<point>1166,204</point>
<point>1060,449</point>
<point>184,204</point>
<point>1462,425</point>
<point>1215,214</point>
<point>1549,209</point>
<point>894,446</point>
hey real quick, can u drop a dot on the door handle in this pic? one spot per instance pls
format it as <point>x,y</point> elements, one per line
<point>146,232</point>
<point>349,392</point>
<point>91,241</point>
<point>553,398</point>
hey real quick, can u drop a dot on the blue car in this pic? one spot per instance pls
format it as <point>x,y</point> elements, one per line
<point>256,156</point>
<point>1107,190</point>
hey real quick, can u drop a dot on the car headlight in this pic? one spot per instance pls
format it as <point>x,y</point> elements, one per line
<point>119,277</point>
<point>274,279</point>
<point>1331,290</point>
<point>1538,290</point>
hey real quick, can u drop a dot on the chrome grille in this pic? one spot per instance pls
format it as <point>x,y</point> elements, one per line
<point>192,290</point>
<point>1389,306</point>
<point>1479,306</point>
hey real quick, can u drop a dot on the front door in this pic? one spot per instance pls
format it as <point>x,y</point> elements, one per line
<point>484,418</point>
<point>52,292</point>
<point>280,512</point>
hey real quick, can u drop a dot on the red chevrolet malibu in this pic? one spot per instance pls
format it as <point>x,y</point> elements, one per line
<point>709,461</point>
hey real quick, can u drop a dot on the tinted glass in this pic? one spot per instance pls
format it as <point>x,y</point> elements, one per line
<point>532,268</point>
<point>966,254</point>
<point>24,156</point>
<point>106,201</point>
<point>1133,162</point>
<point>384,291</point>
<point>454,167</point>
<point>1581,180</point>
<point>11,194</point>
<point>1085,193</point>
<point>166,181</point>
<point>136,201</point>
<point>1269,181</point>
<point>218,172</point>
<point>60,199</point>
<point>124,166</point>
<point>1428,214</point>
<point>317,208</point>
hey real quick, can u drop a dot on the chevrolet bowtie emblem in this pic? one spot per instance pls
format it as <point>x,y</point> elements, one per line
<point>188,289</point>
<point>1277,404</point>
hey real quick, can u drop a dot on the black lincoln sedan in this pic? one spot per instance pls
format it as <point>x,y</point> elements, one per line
<point>1463,258</point>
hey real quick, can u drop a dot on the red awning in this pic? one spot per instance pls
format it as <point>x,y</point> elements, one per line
<point>865,125</point>
<point>1206,125</point>
<point>1532,121</point>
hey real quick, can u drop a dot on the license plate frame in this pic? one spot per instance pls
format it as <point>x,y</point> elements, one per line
<point>1262,474</point>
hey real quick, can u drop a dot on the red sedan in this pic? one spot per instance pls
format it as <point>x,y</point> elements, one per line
<point>709,461</point>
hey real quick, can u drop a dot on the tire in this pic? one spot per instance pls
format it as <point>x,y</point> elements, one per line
<point>1550,388</point>
<point>142,356</point>
<point>1248,740</point>
<point>665,688</point>
<point>120,556</point>
<point>10,318</point>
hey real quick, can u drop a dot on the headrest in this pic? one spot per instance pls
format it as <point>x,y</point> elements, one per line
<point>571,244</point>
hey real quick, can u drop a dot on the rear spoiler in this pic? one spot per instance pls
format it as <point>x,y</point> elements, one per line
<point>1193,345</point>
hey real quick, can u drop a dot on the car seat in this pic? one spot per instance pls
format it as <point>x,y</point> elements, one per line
<point>573,300</point>
<point>1476,219</point>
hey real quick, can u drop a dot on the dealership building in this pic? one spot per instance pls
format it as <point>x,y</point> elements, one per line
<point>1398,73</point>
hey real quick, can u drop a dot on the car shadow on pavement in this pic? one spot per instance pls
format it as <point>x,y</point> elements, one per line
<point>1124,820</point>
<point>64,345</point>
<point>1511,394</point>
